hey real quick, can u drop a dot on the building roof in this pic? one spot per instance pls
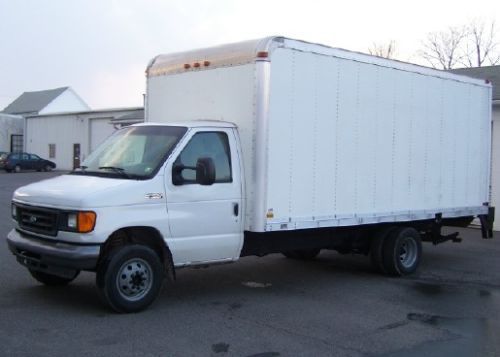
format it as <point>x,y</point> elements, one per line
<point>136,115</point>
<point>110,112</point>
<point>10,116</point>
<point>33,102</point>
<point>491,73</point>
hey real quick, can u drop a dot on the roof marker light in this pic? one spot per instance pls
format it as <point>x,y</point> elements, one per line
<point>262,54</point>
<point>187,66</point>
<point>206,63</point>
<point>196,64</point>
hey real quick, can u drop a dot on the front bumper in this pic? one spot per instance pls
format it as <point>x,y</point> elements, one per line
<point>58,258</point>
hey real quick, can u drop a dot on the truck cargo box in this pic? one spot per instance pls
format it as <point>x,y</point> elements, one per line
<point>332,137</point>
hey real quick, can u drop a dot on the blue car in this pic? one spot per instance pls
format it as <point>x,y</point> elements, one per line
<point>17,161</point>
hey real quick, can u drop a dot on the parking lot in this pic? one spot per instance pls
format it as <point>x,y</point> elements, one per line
<point>272,306</point>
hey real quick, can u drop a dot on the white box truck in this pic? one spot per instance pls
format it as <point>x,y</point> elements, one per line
<point>267,146</point>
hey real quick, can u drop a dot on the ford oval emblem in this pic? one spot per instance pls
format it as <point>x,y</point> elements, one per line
<point>32,219</point>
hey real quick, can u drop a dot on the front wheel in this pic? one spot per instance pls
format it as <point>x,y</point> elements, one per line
<point>17,168</point>
<point>52,280</point>
<point>130,278</point>
<point>48,168</point>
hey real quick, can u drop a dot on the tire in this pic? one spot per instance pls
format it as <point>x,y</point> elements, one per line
<point>303,254</point>
<point>17,168</point>
<point>402,251</point>
<point>8,170</point>
<point>377,246</point>
<point>130,278</point>
<point>48,168</point>
<point>52,280</point>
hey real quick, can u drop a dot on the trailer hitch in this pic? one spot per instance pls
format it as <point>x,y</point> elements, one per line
<point>441,238</point>
<point>435,235</point>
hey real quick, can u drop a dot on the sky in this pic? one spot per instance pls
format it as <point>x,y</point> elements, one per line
<point>101,48</point>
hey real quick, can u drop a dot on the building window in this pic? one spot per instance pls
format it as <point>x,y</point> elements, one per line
<point>52,151</point>
<point>16,143</point>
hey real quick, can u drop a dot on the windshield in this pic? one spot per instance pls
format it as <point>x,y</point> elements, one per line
<point>134,152</point>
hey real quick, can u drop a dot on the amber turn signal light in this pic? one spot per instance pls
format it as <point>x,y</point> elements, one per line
<point>86,221</point>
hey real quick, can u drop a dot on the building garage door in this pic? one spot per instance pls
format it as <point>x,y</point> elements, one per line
<point>100,129</point>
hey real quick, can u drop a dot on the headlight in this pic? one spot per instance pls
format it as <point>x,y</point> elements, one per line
<point>73,220</point>
<point>81,222</point>
<point>14,211</point>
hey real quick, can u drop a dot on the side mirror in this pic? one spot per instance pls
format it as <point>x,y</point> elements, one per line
<point>205,171</point>
<point>177,174</point>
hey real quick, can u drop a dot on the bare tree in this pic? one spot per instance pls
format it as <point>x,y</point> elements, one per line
<point>482,46</point>
<point>388,50</point>
<point>443,49</point>
<point>474,45</point>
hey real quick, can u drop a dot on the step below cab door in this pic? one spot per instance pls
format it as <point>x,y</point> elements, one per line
<point>205,219</point>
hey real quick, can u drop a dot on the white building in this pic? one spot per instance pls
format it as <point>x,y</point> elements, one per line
<point>491,73</point>
<point>11,132</point>
<point>68,138</point>
<point>32,103</point>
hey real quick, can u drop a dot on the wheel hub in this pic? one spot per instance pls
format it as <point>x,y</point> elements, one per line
<point>134,279</point>
<point>408,252</point>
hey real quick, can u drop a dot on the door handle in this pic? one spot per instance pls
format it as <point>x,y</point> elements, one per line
<point>236,209</point>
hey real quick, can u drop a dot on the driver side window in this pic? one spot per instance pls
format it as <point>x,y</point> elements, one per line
<point>214,145</point>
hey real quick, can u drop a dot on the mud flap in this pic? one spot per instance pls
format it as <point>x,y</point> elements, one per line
<point>487,223</point>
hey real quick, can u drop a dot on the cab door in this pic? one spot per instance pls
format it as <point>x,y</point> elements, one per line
<point>205,220</point>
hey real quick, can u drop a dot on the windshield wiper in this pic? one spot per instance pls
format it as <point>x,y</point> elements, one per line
<point>118,170</point>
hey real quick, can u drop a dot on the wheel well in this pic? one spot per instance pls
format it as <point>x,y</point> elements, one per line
<point>147,236</point>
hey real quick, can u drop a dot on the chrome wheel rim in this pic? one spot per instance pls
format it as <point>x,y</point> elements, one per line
<point>408,252</point>
<point>134,279</point>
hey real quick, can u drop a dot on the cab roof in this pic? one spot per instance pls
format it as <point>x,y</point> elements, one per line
<point>202,123</point>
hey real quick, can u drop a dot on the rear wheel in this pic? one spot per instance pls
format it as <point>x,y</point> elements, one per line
<point>17,168</point>
<point>130,278</point>
<point>377,246</point>
<point>303,254</point>
<point>402,251</point>
<point>52,280</point>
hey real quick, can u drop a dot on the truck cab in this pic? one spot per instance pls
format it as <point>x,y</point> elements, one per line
<point>170,194</point>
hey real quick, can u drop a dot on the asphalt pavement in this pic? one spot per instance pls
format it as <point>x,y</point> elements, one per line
<point>335,305</point>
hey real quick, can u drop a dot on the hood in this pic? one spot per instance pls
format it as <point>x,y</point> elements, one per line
<point>75,191</point>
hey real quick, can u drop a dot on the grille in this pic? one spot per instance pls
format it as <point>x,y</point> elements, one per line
<point>39,220</point>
